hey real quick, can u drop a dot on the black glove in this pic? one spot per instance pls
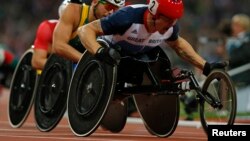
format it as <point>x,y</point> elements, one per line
<point>211,66</point>
<point>109,55</point>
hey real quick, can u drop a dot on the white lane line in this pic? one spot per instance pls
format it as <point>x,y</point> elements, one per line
<point>196,124</point>
<point>188,137</point>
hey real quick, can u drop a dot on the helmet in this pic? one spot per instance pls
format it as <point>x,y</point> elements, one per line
<point>118,3</point>
<point>170,8</point>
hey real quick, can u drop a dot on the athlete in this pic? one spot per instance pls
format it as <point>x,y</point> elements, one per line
<point>137,29</point>
<point>43,42</point>
<point>65,40</point>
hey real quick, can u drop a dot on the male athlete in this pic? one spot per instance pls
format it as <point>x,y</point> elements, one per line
<point>138,29</point>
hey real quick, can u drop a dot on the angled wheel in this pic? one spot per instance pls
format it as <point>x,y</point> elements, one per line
<point>160,113</point>
<point>220,86</point>
<point>51,94</point>
<point>91,90</point>
<point>115,122</point>
<point>22,90</point>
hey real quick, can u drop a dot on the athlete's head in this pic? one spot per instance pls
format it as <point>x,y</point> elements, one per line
<point>105,7</point>
<point>62,6</point>
<point>165,14</point>
<point>172,9</point>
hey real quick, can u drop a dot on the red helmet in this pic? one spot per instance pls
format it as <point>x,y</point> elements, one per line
<point>170,8</point>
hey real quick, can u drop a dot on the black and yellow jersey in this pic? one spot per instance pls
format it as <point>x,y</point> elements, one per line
<point>75,41</point>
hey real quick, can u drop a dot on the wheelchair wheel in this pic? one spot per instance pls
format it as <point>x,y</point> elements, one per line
<point>115,122</point>
<point>219,85</point>
<point>91,90</point>
<point>51,94</point>
<point>22,90</point>
<point>160,113</point>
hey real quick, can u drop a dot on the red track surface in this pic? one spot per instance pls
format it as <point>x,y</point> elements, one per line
<point>131,132</point>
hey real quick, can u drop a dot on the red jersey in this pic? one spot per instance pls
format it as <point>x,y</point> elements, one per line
<point>44,34</point>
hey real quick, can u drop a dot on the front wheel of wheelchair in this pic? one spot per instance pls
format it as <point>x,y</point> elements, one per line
<point>22,90</point>
<point>91,90</point>
<point>220,86</point>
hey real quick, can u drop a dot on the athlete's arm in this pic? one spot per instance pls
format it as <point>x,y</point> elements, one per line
<point>92,30</point>
<point>105,26</point>
<point>186,52</point>
<point>42,42</point>
<point>63,32</point>
<point>39,58</point>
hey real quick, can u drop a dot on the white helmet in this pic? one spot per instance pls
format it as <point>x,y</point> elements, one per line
<point>119,3</point>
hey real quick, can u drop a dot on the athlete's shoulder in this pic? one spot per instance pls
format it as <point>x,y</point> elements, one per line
<point>138,6</point>
<point>133,8</point>
<point>49,22</point>
<point>47,25</point>
<point>128,12</point>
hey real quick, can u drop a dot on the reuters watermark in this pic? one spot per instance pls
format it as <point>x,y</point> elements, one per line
<point>241,132</point>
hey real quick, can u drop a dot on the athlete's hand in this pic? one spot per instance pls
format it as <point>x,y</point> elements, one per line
<point>209,67</point>
<point>109,55</point>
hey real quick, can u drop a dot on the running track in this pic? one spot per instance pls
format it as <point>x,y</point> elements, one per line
<point>133,131</point>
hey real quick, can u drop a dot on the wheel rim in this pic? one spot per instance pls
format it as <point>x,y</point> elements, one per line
<point>84,118</point>
<point>52,88</point>
<point>219,85</point>
<point>51,94</point>
<point>89,93</point>
<point>22,90</point>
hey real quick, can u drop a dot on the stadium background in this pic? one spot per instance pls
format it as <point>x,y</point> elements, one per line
<point>20,18</point>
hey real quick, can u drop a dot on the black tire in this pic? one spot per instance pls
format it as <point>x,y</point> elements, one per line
<point>220,86</point>
<point>22,90</point>
<point>115,122</point>
<point>51,94</point>
<point>91,90</point>
<point>160,113</point>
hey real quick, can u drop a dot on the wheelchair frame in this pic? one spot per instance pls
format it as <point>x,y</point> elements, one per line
<point>169,87</point>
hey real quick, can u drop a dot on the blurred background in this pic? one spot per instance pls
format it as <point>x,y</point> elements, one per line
<point>20,18</point>
<point>205,24</point>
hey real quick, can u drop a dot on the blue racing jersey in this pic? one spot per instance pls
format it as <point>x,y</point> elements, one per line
<point>125,28</point>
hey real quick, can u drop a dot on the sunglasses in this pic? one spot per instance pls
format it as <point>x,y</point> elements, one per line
<point>108,6</point>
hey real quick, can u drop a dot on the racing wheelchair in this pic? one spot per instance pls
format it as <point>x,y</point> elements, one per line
<point>155,87</point>
<point>46,89</point>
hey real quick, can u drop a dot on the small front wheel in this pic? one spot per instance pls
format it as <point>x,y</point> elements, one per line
<point>220,86</point>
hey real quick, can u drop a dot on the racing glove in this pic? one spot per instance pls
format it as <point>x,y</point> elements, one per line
<point>209,67</point>
<point>108,55</point>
